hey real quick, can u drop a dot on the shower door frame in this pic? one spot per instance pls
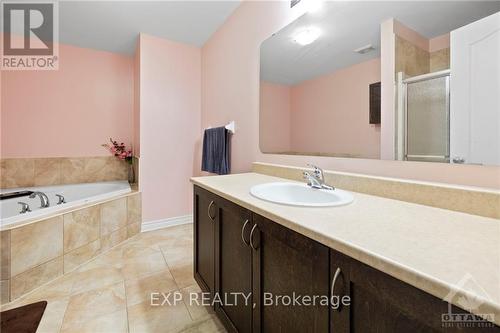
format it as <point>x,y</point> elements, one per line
<point>425,77</point>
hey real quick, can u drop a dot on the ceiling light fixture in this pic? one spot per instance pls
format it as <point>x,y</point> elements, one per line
<point>365,49</point>
<point>306,36</point>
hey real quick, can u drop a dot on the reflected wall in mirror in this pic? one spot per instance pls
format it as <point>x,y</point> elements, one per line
<point>320,80</point>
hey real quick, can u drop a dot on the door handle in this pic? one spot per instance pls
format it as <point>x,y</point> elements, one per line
<point>208,211</point>
<point>338,271</point>
<point>242,233</point>
<point>251,237</point>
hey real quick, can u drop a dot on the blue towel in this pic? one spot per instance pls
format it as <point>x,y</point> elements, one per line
<point>216,151</point>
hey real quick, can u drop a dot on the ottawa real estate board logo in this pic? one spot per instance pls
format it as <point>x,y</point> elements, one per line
<point>30,35</point>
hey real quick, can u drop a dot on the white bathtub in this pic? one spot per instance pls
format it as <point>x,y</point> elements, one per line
<point>75,195</point>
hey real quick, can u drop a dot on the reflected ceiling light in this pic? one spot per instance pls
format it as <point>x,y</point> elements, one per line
<point>306,36</point>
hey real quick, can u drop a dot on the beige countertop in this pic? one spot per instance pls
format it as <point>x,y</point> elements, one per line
<point>451,255</point>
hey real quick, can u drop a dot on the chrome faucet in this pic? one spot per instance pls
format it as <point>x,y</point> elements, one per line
<point>43,198</point>
<point>317,179</point>
<point>25,208</point>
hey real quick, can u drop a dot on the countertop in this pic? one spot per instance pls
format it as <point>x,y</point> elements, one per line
<point>451,255</point>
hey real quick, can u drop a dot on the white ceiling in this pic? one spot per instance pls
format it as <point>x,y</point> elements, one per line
<point>349,25</point>
<point>114,25</point>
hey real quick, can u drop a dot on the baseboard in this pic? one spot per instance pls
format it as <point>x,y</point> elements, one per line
<point>158,224</point>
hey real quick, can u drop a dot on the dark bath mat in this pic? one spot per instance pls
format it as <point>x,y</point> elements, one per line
<point>24,319</point>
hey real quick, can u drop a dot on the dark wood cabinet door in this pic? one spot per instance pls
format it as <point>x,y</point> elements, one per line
<point>287,264</point>
<point>382,303</point>
<point>205,219</point>
<point>234,267</point>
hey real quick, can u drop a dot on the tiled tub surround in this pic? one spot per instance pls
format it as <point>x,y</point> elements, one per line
<point>27,172</point>
<point>75,195</point>
<point>472,200</point>
<point>38,252</point>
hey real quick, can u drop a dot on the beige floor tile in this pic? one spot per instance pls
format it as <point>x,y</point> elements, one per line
<point>53,316</point>
<point>210,325</point>
<point>132,259</point>
<point>115,322</point>
<point>86,306</point>
<point>145,318</point>
<point>165,236</point>
<point>183,275</point>
<point>179,254</point>
<point>192,296</point>
<point>130,250</point>
<point>112,293</point>
<point>95,278</point>
<point>140,290</point>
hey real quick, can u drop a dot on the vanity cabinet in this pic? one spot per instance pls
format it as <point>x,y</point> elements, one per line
<point>382,303</point>
<point>240,252</point>
<point>205,219</point>
<point>233,266</point>
<point>288,264</point>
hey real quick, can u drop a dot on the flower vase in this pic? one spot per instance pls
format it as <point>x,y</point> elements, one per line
<point>131,173</point>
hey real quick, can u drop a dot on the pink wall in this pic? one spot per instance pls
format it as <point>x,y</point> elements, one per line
<point>170,99</point>
<point>70,111</point>
<point>137,99</point>
<point>274,117</point>
<point>331,113</point>
<point>230,90</point>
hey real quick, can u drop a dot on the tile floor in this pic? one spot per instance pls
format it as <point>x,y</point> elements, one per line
<point>111,293</point>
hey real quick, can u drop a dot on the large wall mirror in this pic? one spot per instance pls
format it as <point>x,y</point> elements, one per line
<point>321,91</point>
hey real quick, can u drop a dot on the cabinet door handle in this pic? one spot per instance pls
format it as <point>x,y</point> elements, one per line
<point>334,280</point>
<point>208,211</point>
<point>242,233</point>
<point>251,237</point>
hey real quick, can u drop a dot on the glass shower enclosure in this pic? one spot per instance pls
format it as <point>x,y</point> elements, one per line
<point>423,132</point>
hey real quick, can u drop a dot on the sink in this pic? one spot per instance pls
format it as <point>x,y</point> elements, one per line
<point>297,194</point>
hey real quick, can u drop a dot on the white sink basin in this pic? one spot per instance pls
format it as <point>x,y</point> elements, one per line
<point>296,194</point>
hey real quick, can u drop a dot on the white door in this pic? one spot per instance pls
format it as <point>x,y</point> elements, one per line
<point>475,92</point>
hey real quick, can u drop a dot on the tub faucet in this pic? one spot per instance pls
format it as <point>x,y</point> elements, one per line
<point>317,179</point>
<point>43,198</point>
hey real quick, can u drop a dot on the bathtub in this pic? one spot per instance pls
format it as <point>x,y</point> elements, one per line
<point>75,195</point>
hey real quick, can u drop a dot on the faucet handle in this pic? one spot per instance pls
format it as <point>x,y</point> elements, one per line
<point>24,207</point>
<point>311,180</point>
<point>61,199</point>
<point>318,172</point>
